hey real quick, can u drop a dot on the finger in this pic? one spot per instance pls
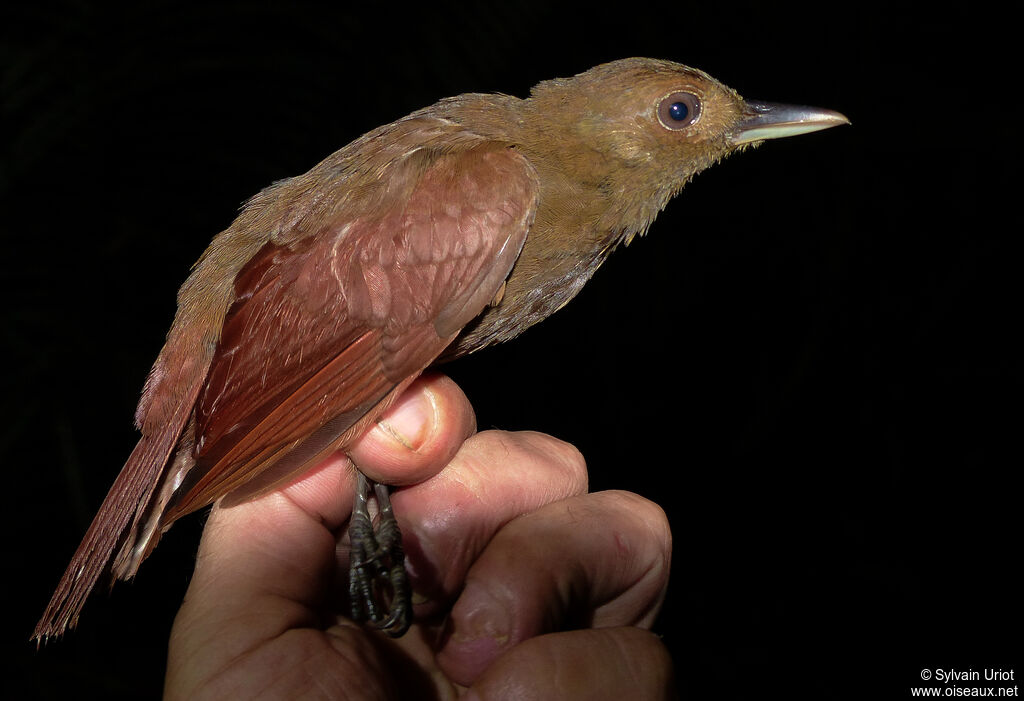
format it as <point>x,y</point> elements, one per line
<point>412,441</point>
<point>609,663</point>
<point>418,435</point>
<point>595,560</point>
<point>495,477</point>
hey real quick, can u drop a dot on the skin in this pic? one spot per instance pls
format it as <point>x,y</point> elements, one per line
<point>526,585</point>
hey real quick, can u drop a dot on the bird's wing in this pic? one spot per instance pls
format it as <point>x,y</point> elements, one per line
<point>326,330</point>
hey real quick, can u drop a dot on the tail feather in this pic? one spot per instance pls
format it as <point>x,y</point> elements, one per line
<point>127,498</point>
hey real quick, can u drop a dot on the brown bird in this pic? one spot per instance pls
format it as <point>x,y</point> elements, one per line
<point>453,228</point>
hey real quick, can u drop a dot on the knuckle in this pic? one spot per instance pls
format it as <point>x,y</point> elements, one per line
<point>647,659</point>
<point>558,453</point>
<point>551,461</point>
<point>648,514</point>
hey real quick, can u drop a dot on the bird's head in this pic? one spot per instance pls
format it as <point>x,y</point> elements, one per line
<point>648,126</point>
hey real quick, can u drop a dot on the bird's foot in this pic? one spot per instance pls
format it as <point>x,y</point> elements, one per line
<point>378,584</point>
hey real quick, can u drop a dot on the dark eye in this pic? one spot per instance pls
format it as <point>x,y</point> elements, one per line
<point>679,110</point>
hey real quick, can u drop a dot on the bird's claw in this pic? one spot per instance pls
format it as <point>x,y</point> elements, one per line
<point>378,584</point>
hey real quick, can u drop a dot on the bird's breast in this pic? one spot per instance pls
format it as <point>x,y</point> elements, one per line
<point>536,288</point>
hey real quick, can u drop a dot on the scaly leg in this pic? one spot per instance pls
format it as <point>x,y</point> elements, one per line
<point>378,584</point>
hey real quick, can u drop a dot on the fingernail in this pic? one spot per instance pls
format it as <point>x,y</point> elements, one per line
<point>480,619</point>
<point>411,419</point>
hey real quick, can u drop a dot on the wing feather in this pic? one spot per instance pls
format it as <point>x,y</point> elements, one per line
<point>326,330</point>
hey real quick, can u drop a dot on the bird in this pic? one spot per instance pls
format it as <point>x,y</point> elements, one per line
<point>449,230</point>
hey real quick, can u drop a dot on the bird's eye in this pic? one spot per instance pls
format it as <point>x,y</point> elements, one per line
<point>679,110</point>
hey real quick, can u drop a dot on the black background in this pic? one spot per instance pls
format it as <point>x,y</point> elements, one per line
<point>810,362</point>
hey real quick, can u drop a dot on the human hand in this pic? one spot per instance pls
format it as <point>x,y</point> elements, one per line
<point>525,585</point>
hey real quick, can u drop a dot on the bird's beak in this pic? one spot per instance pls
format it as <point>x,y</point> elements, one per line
<point>769,120</point>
